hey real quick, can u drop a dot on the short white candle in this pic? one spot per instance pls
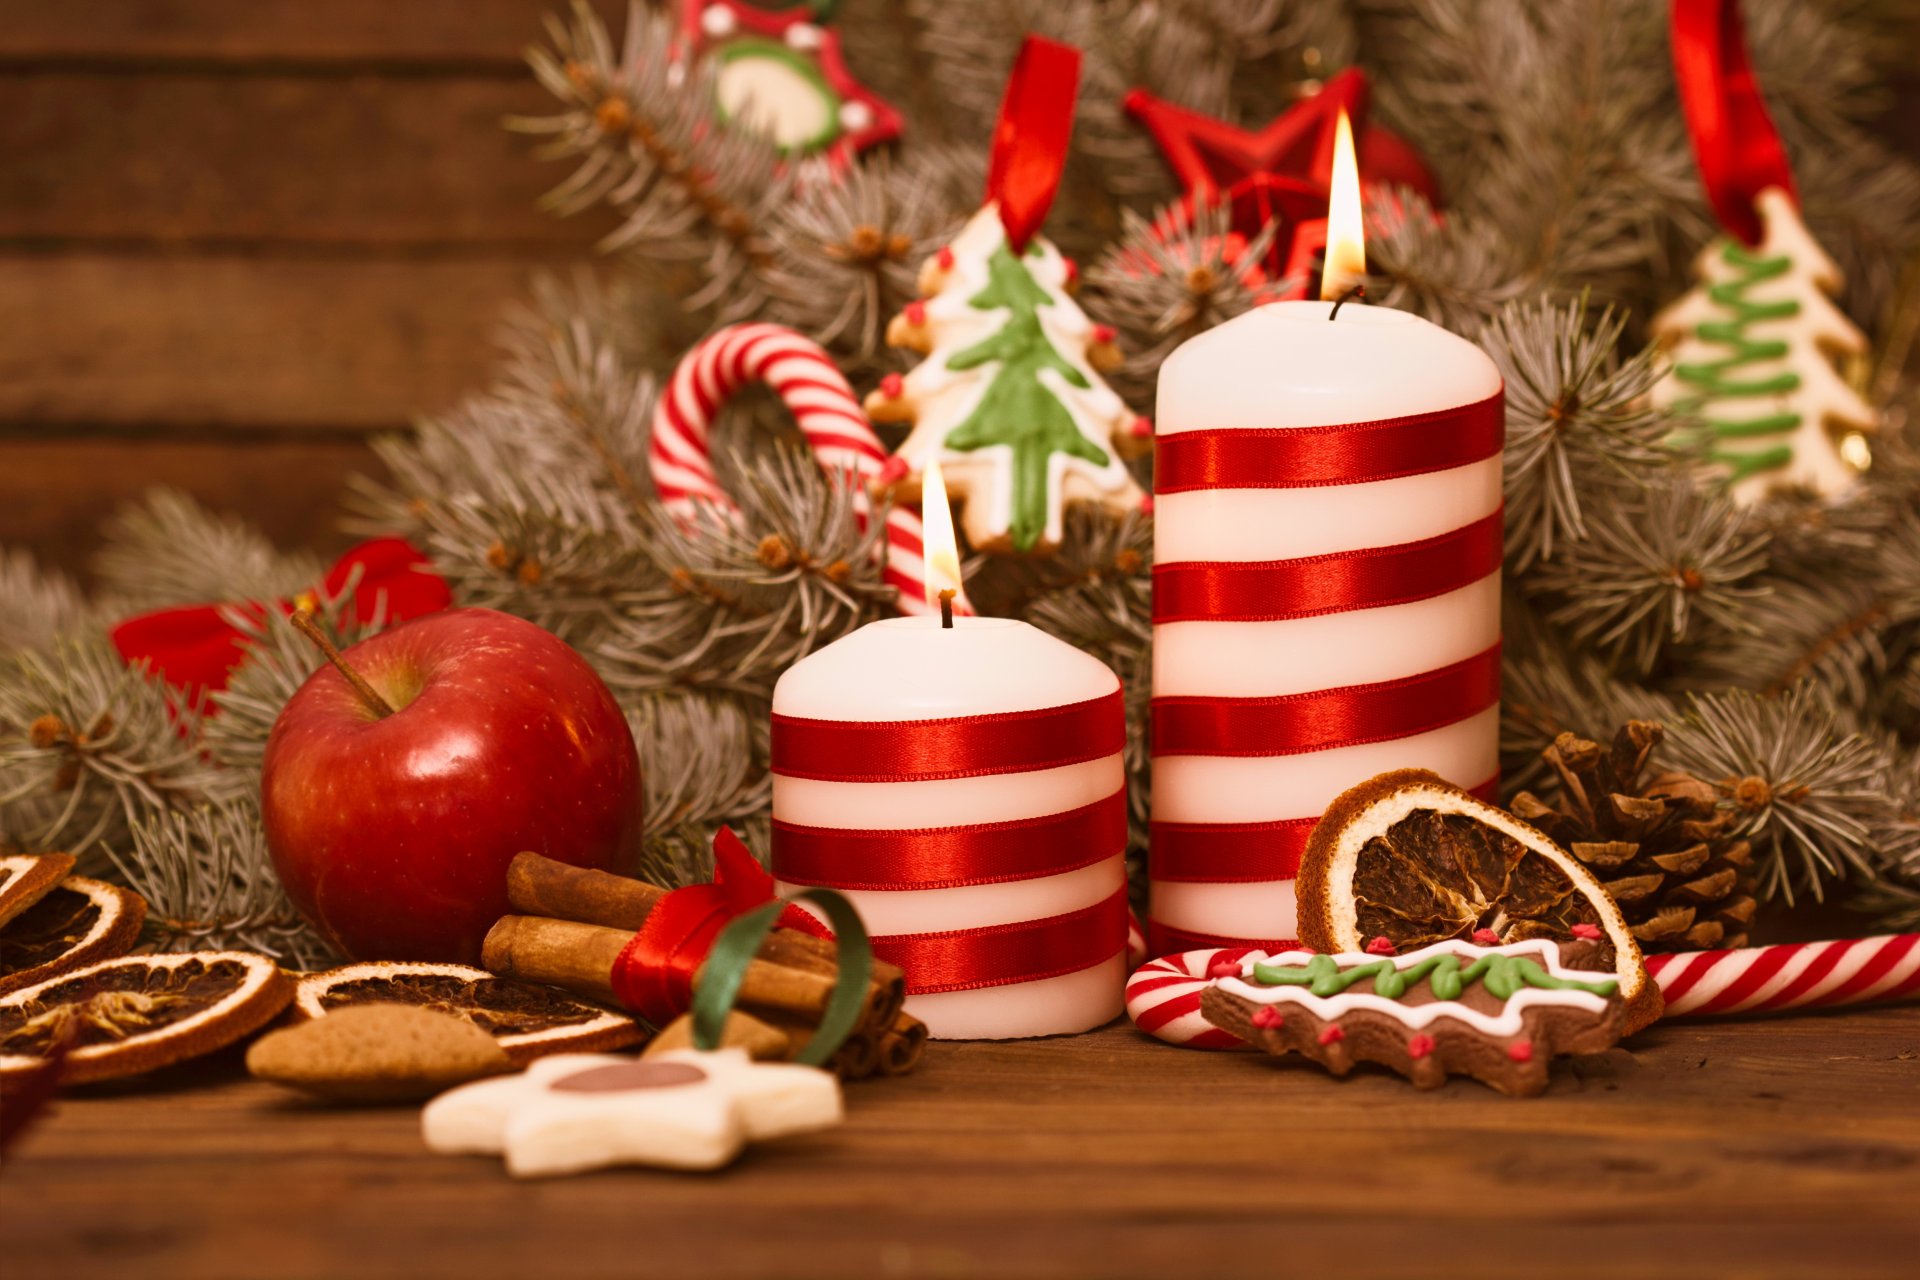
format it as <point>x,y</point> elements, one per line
<point>907,670</point>
<point>1288,366</point>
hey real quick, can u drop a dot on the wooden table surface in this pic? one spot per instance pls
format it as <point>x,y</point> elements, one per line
<point>1759,1148</point>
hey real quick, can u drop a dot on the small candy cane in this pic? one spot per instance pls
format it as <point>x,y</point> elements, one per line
<point>1799,975</point>
<point>801,373</point>
<point>1163,997</point>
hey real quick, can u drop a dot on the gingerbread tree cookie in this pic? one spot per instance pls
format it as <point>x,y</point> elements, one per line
<point>1009,397</point>
<point>1753,347</point>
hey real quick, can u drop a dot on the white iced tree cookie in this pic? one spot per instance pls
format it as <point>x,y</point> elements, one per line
<point>1753,346</point>
<point>680,1110</point>
<point>1009,397</point>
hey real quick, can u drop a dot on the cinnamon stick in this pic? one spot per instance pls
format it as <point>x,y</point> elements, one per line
<point>763,1042</point>
<point>902,1045</point>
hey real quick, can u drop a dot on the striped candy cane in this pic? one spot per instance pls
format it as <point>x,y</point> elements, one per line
<point>1799,975</point>
<point>1163,997</point>
<point>801,373</point>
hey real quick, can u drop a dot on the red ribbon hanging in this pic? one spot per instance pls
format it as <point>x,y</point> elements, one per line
<point>1271,590</point>
<point>653,975</point>
<point>1030,137</point>
<point>195,647</point>
<point>950,857</point>
<point>1350,453</point>
<point>1735,144</point>
<point>954,747</point>
<point>1001,955</point>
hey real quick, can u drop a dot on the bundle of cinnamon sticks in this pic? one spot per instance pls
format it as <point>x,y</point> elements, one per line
<point>572,923</point>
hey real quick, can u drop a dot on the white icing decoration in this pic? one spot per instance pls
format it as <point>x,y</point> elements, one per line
<point>941,399</point>
<point>774,98</point>
<point>1814,336</point>
<point>1508,1022</point>
<point>804,35</point>
<point>855,116</point>
<point>717,20</point>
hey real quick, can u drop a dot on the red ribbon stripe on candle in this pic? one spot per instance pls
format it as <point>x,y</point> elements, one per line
<point>1005,954</point>
<point>953,747</point>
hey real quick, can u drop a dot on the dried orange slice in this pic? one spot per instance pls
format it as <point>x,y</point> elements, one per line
<point>25,878</point>
<point>529,1020</point>
<point>76,922</point>
<point>1413,859</point>
<point>139,1013</point>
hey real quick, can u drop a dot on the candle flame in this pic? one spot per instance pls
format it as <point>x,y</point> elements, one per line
<point>1346,261</point>
<point>941,548</point>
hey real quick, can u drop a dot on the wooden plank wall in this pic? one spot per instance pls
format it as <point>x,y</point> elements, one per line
<point>239,236</point>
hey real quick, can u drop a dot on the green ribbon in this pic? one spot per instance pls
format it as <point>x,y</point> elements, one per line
<point>726,968</point>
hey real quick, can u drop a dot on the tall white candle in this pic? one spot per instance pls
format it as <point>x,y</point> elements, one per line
<point>1283,369</point>
<point>959,785</point>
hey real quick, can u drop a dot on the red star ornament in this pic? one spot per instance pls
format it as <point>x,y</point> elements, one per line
<point>782,71</point>
<point>1280,172</point>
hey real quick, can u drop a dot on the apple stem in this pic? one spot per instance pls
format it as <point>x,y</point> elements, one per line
<point>302,620</point>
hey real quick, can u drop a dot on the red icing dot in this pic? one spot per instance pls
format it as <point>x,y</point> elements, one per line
<point>1586,931</point>
<point>1521,1051</point>
<point>1485,938</point>
<point>1267,1016</point>
<point>1142,428</point>
<point>945,259</point>
<point>1103,333</point>
<point>1224,969</point>
<point>1332,1035</point>
<point>1420,1046</point>
<point>1382,946</point>
<point>890,386</point>
<point>916,313</point>
<point>1146,504</point>
<point>1073,269</point>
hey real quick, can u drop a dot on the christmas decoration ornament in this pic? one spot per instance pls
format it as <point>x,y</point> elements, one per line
<point>1326,590</point>
<point>196,647</point>
<point>781,74</point>
<point>1009,399</point>
<point>1659,843</point>
<point>139,1013</point>
<point>529,1021</point>
<point>685,1110</point>
<point>805,378</point>
<point>69,924</point>
<point>1753,345</point>
<point>1278,176</point>
<point>25,878</point>
<point>1798,975</point>
<point>401,778</point>
<point>1498,1014</point>
<point>1406,860</point>
<point>1163,996</point>
<point>377,1053</point>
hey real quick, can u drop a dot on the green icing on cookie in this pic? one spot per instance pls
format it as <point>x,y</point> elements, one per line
<point>1505,976</point>
<point>1728,378</point>
<point>1018,409</point>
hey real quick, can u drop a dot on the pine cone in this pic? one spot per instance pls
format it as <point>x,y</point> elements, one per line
<point>1659,843</point>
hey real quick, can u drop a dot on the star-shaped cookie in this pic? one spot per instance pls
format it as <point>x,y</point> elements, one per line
<point>682,1110</point>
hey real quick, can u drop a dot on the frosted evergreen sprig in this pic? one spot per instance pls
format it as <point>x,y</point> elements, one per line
<point>1548,692</point>
<point>1456,272</point>
<point>166,549</point>
<point>704,759</point>
<point>37,604</point>
<point>1798,777</point>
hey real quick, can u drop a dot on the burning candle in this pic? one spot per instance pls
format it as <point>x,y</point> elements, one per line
<point>962,784</point>
<point>1326,584</point>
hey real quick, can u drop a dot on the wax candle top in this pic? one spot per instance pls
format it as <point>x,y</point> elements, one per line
<point>1287,365</point>
<point>913,669</point>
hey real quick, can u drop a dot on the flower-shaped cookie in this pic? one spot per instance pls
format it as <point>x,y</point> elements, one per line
<point>682,1110</point>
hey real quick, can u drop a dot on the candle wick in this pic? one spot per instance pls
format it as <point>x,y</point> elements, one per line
<point>946,608</point>
<point>1357,291</point>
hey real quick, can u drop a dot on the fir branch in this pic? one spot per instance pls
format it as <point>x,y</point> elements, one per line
<point>1653,570</point>
<point>209,881</point>
<point>167,549</point>
<point>1576,413</point>
<point>1549,692</point>
<point>1456,272</point>
<point>36,604</point>
<point>89,744</point>
<point>1801,782</point>
<point>704,759</point>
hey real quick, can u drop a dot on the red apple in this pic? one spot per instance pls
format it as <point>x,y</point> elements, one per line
<point>392,830</point>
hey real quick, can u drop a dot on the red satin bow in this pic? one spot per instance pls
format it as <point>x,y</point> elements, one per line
<point>653,975</point>
<point>1030,138</point>
<point>195,647</point>
<point>1734,142</point>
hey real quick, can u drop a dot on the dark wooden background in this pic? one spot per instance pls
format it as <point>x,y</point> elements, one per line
<point>239,236</point>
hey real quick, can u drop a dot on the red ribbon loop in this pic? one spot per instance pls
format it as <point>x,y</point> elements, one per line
<point>1350,453</point>
<point>1735,144</point>
<point>1327,718</point>
<point>1030,138</point>
<point>653,975</point>
<point>1273,590</point>
<point>949,857</point>
<point>1001,955</point>
<point>953,747</point>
